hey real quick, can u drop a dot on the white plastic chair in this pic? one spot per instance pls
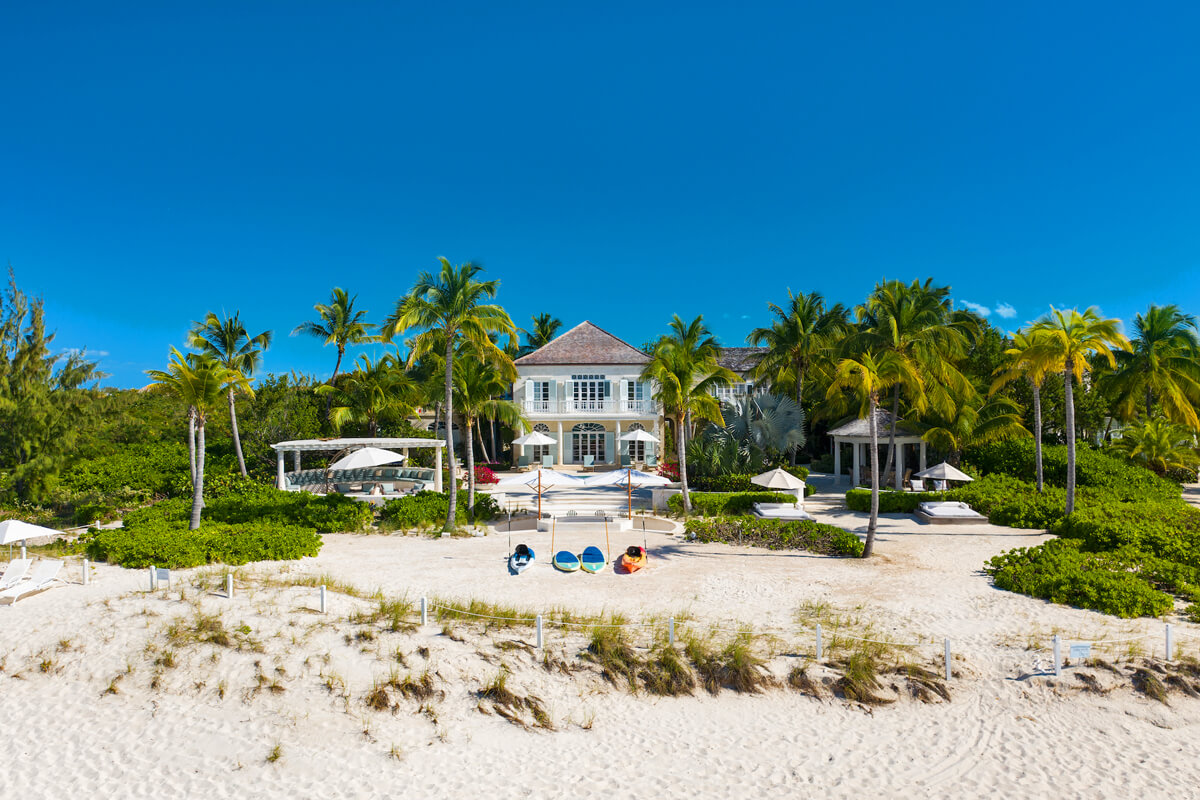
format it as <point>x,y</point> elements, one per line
<point>44,574</point>
<point>14,572</point>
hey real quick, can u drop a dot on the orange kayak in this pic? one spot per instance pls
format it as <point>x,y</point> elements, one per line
<point>632,560</point>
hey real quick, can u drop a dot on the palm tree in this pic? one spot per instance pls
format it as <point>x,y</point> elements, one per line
<point>1065,340</point>
<point>684,370</point>
<point>1159,445</point>
<point>976,421</point>
<point>338,324</point>
<point>1164,365</point>
<point>226,340</point>
<point>200,382</point>
<point>448,309</point>
<point>762,426</point>
<point>1022,360</point>
<point>478,386</point>
<point>916,322</point>
<point>867,377</point>
<point>545,328</point>
<point>371,394</point>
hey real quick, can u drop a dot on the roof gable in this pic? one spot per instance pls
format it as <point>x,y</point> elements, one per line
<point>585,344</point>
<point>740,359</point>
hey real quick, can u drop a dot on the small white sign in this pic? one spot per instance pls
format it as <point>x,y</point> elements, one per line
<point>1081,652</point>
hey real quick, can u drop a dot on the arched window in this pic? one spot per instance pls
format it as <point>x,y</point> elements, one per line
<point>588,439</point>
<point>539,451</point>
<point>636,450</point>
<point>542,427</point>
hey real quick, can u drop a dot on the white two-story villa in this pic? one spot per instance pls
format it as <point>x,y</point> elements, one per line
<point>584,390</point>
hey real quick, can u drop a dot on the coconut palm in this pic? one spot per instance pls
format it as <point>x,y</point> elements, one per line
<point>373,392</point>
<point>867,377</point>
<point>684,370</point>
<point>226,340</point>
<point>916,321</point>
<point>338,324</point>
<point>1163,366</point>
<point>199,382</point>
<point>1022,360</point>
<point>1159,445</point>
<point>801,339</point>
<point>976,421</point>
<point>448,310</point>
<point>545,328</point>
<point>479,385</point>
<point>1065,340</point>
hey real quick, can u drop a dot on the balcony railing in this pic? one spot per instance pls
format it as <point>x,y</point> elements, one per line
<point>589,407</point>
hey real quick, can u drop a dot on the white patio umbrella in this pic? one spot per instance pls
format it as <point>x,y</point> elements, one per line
<point>640,435</point>
<point>534,438</point>
<point>537,481</point>
<point>367,457</point>
<point>778,478</point>
<point>944,472</point>
<point>627,477</point>
<point>14,530</point>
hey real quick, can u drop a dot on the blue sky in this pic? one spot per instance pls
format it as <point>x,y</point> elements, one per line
<point>613,161</point>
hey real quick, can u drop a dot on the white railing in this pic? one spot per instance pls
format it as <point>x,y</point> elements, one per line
<point>539,406</point>
<point>589,407</point>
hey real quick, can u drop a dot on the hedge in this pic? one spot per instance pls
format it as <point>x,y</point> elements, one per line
<point>775,534</point>
<point>426,509</point>
<point>742,483</point>
<point>712,504</point>
<point>890,501</point>
<point>1170,532</point>
<point>166,544</point>
<point>331,513</point>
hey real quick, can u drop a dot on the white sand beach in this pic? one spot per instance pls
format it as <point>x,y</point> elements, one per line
<point>98,698</point>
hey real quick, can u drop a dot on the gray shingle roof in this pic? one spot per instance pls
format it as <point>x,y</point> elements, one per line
<point>862,427</point>
<point>585,344</point>
<point>740,359</point>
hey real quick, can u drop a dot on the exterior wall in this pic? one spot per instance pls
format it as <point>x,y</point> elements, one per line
<point>561,403</point>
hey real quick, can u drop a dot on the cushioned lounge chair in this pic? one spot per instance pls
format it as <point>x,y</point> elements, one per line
<point>44,575</point>
<point>14,572</point>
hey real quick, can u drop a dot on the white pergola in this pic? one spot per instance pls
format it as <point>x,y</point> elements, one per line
<point>858,433</point>
<point>337,445</point>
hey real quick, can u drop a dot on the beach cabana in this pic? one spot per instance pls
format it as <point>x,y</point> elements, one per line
<point>299,446</point>
<point>857,434</point>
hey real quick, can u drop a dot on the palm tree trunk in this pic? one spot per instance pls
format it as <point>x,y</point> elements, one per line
<point>470,448</point>
<point>237,439</point>
<point>681,449</point>
<point>198,485</point>
<point>192,444</point>
<point>492,431</point>
<point>1037,433</point>
<point>869,546</point>
<point>333,378</point>
<point>1149,403</point>
<point>891,453</point>
<point>448,413</point>
<point>1069,402</point>
<point>482,447</point>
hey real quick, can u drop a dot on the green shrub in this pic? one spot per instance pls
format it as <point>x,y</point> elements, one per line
<point>428,509</point>
<point>87,513</point>
<point>1093,469</point>
<point>1059,571</point>
<point>724,504</point>
<point>775,534</point>
<point>890,501</point>
<point>1167,531</point>
<point>167,544</point>
<point>1015,503</point>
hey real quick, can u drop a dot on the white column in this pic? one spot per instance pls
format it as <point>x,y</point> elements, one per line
<point>837,460</point>
<point>854,475</point>
<point>559,458</point>
<point>617,444</point>
<point>899,465</point>
<point>437,469</point>
<point>518,449</point>
<point>296,460</point>
<point>404,453</point>
<point>923,468</point>
<point>279,469</point>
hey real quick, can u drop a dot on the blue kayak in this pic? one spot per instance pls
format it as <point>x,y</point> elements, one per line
<point>521,559</point>
<point>565,561</point>
<point>592,559</point>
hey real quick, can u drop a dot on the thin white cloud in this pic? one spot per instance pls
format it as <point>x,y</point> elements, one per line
<point>1005,310</point>
<point>982,311</point>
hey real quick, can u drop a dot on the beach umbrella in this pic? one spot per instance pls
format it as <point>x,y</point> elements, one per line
<point>537,481</point>
<point>14,530</point>
<point>639,435</point>
<point>367,457</point>
<point>944,472</point>
<point>535,438</point>
<point>629,478</point>
<point>778,478</point>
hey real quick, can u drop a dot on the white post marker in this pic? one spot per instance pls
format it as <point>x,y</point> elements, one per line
<point>818,641</point>
<point>1057,656</point>
<point>947,659</point>
<point>229,585</point>
<point>153,578</point>
<point>671,635</point>
<point>1170,642</point>
<point>539,631</point>
<point>322,598</point>
<point>424,610</point>
<point>85,572</point>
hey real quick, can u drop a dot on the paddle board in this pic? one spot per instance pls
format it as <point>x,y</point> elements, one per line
<point>592,559</point>
<point>567,562</point>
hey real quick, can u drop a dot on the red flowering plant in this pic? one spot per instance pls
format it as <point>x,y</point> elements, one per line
<point>669,470</point>
<point>484,475</point>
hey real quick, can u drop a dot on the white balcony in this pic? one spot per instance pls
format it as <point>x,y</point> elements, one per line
<point>590,408</point>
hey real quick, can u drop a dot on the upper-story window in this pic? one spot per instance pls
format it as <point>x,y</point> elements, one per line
<point>635,392</point>
<point>589,392</point>
<point>538,395</point>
